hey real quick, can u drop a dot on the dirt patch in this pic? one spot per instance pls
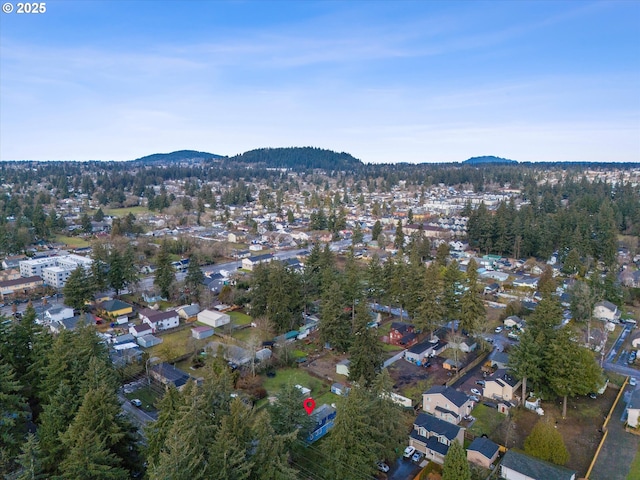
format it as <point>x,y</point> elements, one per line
<point>323,366</point>
<point>581,430</point>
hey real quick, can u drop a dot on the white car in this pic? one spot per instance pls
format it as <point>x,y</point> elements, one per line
<point>383,467</point>
<point>498,329</point>
<point>136,402</point>
<point>633,382</point>
<point>475,391</point>
<point>409,451</point>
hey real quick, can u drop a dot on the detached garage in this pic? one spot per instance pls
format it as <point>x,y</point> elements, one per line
<point>213,318</point>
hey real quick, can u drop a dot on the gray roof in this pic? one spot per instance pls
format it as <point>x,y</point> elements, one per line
<point>431,443</point>
<point>534,468</point>
<point>171,373</point>
<point>433,424</point>
<point>608,305</point>
<point>484,446</point>
<point>78,321</point>
<point>421,347</point>
<point>451,394</point>
<point>505,376</point>
<point>191,310</point>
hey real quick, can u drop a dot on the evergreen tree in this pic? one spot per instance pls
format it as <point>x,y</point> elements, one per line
<point>287,414</point>
<point>375,279</point>
<point>165,275</point>
<point>545,442</point>
<point>29,460</point>
<point>270,456</point>
<point>376,230</point>
<point>572,369</point>
<point>452,291</point>
<point>13,408</point>
<point>335,327</point>
<point>89,459</point>
<point>456,466</point>
<point>386,416</point>
<point>357,236</point>
<point>350,450</point>
<point>78,290</point>
<point>99,215</point>
<point>472,311</point>
<point>398,241</point>
<point>430,312</point>
<point>117,273</point>
<point>546,283</point>
<point>156,432</point>
<point>193,280</point>
<point>366,352</point>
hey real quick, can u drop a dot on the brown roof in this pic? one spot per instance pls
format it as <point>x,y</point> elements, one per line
<point>21,281</point>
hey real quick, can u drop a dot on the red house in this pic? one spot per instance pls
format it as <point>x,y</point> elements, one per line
<point>402,334</point>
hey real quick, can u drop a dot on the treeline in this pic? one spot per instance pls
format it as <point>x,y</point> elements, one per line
<point>299,158</point>
<point>581,216</point>
<point>66,388</point>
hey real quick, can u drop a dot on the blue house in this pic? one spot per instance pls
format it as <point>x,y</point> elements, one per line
<point>324,416</point>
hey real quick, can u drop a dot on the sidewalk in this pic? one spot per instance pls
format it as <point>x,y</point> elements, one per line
<point>619,448</point>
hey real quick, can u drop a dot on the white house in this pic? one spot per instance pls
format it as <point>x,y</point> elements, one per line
<point>140,330</point>
<point>213,318</point>
<point>606,311</point>
<point>159,321</point>
<point>633,410</point>
<point>58,313</point>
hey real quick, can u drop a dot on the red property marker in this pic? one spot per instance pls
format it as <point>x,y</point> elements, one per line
<point>309,404</point>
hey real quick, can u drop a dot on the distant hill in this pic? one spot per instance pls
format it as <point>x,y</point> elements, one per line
<point>487,159</point>
<point>299,158</point>
<point>179,156</point>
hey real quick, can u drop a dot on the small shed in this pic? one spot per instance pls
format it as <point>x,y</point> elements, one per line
<point>449,364</point>
<point>342,367</point>
<point>340,389</point>
<point>264,354</point>
<point>482,452</point>
<point>201,332</point>
<point>148,341</point>
<point>304,390</point>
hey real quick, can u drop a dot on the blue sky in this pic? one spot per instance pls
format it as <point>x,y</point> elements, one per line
<point>416,81</point>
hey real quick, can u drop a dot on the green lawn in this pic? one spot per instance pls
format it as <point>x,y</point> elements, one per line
<point>295,376</point>
<point>173,345</point>
<point>634,472</point>
<point>74,242</point>
<point>146,395</point>
<point>239,318</point>
<point>246,334</point>
<point>487,420</point>
<point>123,212</point>
<point>387,347</point>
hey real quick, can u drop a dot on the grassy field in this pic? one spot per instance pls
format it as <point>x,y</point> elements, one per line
<point>146,395</point>
<point>123,212</point>
<point>239,318</point>
<point>295,376</point>
<point>487,420</point>
<point>173,345</point>
<point>73,242</point>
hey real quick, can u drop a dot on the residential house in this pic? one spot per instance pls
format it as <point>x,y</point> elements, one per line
<point>340,389</point>
<point>189,313</point>
<point>447,403</point>
<point>72,323</point>
<point>11,274</point>
<point>324,417</point>
<point>432,436</point>
<point>606,311</point>
<point>518,466</point>
<point>467,345</point>
<point>402,334</point>
<point>140,330</point>
<point>492,289</point>
<point>57,313</point>
<point>420,351</point>
<point>263,354</point>
<point>513,321</point>
<point>167,374</point>
<point>13,261</point>
<point>115,308</point>
<point>633,410</point>
<point>500,360</point>
<point>214,282</point>
<point>159,321</point>
<point>251,262</point>
<point>213,318</point>
<point>20,285</point>
<point>482,452</point>
<point>502,385</point>
<point>526,282</point>
<point>232,353</point>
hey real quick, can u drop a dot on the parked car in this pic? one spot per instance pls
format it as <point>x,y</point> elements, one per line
<point>417,457</point>
<point>136,402</point>
<point>633,382</point>
<point>409,451</point>
<point>474,398</point>
<point>383,467</point>
<point>475,391</point>
<point>498,329</point>
<point>480,382</point>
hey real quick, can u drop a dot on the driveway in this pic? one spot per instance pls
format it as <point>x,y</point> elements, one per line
<point>403,469</point>
<point>619,448</point>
